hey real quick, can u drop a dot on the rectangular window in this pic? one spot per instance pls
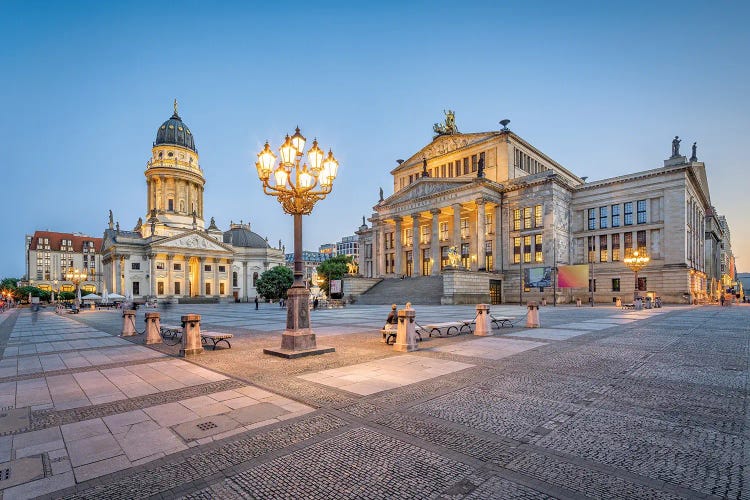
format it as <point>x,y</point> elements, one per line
<point>603,218</point>
<point>527,218</point>
<point>603,248</point>
<point>488,255</point>
<point>160,288</point>
<point>408,237</point>
<point>442,170</point>
<point>465,256</point>
<point>135,266</point>
<point>443,231</point>
<point>641,205</point>
<point>527,249</point>
<point>136,288</point>
<point>207,267</point>
<point>628,244</point>
<point>538,255</point>
<point>170,205</point>
<point>221,288</point>
<point>474,161</point>
<point>642,284</point>
<point>628,213</point>
<point>488,218</point>
<point>615,284</point>
<point>208,288</point>
<point>517,219</point>
<point>641,237</point>
<point>591,248</point>
<point>538,221</point>
<point>426,269</point>
<point>177,288</point>
<point>465,228</point>
<point>482,159</point>
<point>178,267</point>
<point>450,170</point>
<point>466,166</point>
<point>615,247</point>
<point>425,239</point>
<point>160,266</point>
<point>444,261</point>
<point>458,168</point>
<point>615,215</point>
<point>516,250</point>
<point>592,219</point>
<point>222,269</point>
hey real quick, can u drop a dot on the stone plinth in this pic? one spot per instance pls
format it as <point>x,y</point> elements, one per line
<point>406,334</point>
<point>532,318</point>
<point>191,335</point>
<point>128,323</point>
<point>298,340</point>
<point>483,323</point>
<point>153,328</point>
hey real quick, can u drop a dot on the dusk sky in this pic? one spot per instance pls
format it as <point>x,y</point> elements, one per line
<point>601,87</point>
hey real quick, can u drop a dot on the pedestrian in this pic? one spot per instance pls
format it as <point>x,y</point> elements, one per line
<point>315,303</point>
<point>722,300</point>
<point>256,302</point>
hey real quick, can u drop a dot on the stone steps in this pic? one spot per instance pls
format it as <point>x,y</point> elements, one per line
<point>419,290</point>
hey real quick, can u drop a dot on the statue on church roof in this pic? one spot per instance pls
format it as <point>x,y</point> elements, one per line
<point>117,226</point>
<point>694,156</point>
<point>138,225</point>
<point>676,146</point>
<point>425,173</point>
<point>111,219</point>
<point>381,194</point>
<point>447,128</point>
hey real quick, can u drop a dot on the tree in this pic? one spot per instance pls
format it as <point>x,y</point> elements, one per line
<point>333,269</point>
<point>274,283</point>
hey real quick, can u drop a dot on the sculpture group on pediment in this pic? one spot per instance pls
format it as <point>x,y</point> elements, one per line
<point>449,127</point>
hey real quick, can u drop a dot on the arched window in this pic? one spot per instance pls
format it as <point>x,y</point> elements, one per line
<point>255,278</point>
<point>234,278</point>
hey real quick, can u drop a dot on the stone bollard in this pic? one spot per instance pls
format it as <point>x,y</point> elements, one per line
<point>483,324</point>
<point>578,302</point>
<point>406,334</point>
<point>191,335</point>
<point>128,323</point>
<point>153,328</point>
<point>532,319</point>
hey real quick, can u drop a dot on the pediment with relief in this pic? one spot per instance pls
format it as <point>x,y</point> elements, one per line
<point>445,144</point>
<point>423,188</point>
<point>194,241</point>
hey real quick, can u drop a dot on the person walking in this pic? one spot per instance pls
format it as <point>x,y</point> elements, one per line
<point>256,302</point>
<point>722,300</point>
<point>315,303</point>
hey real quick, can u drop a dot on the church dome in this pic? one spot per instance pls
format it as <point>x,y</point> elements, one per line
<point>174,131</point>
<point>240,236</point>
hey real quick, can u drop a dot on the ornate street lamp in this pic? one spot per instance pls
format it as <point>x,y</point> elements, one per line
<point>297,186</point>
<point>635,263</point>
<point>76,276</point>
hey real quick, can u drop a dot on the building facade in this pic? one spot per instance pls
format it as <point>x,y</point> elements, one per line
<point>495,216</point>
<point>172,255</point>
<point>50,255</point>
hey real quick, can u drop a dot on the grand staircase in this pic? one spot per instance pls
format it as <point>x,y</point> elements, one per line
<point>421,290</point>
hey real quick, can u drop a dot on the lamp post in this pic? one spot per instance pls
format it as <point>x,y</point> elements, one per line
<point>635,263</point>
<point>297,187</point>
<point>76,276</point>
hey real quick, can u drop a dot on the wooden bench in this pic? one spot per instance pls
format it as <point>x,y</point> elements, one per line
<point>451,328</point>
<point>172,334</point>
<point>628,306</point>
<point>501,321</point>
<point>216,337</point>
<point>390,334</point>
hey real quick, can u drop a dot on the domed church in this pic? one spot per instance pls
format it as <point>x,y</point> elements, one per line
<point>170,254</point>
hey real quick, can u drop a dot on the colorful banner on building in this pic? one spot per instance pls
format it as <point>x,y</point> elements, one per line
<point>537,277</point>
<point>573,276</point>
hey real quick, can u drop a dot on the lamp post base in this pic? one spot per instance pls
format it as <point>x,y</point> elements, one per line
<point>298,340</point>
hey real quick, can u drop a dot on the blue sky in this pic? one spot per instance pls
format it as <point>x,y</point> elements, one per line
<point>602,87</point>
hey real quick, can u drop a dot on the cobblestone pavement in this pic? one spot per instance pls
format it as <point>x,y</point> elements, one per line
<point>599,403</point>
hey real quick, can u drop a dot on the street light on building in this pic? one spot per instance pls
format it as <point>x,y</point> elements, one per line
<point>76,276</point>
<point>635,263</point>
<point>297,186</point>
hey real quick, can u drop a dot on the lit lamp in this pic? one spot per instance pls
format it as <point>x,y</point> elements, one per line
<point>76,276</point>
<point>297,186</point>
<point>635,263</point>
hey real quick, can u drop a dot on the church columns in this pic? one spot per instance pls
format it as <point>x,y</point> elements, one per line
<point>152,274</point>
<point>457,226</point>
<point>170,286</point>
<point>217,291</point>
<point>202,276</point>
<point>481,231</point>
<point>380,235</point>
<point>497,246</point>
<point>435,241</point>
<point>416,269</point>
<point>118,275</point>
<point>398,269</point>
<point>244,281</point>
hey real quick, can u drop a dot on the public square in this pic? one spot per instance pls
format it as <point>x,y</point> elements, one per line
<point>598,402</point>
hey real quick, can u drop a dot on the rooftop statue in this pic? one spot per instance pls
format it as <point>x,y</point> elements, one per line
<point>676,146</point>
<point>447,128</point>
<point>694,156</point>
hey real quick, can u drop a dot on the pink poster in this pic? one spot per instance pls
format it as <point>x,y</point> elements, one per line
<point>573,276</point>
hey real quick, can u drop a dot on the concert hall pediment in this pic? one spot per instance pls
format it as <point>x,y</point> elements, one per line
<point>192,241</point>
<point>425,188</point>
